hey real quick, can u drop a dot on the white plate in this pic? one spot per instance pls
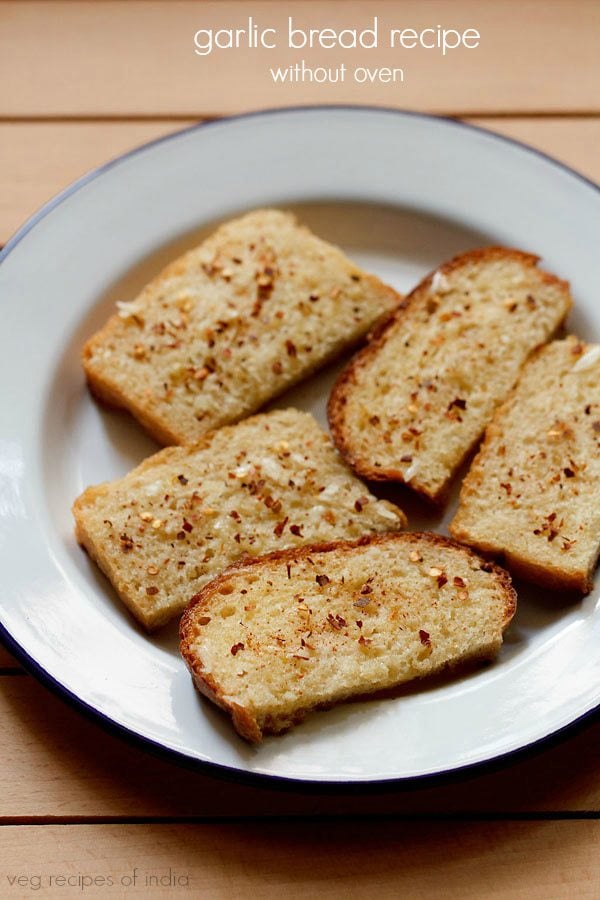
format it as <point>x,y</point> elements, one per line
<point>400,193</point>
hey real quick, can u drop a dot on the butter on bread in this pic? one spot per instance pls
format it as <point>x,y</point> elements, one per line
<point>532,494</point>
<point>410,406</point>
<point>254,309</point>
<point>177,520</point>
<point>275,637</point>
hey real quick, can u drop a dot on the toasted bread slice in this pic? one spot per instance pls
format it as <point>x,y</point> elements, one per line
<point>532,494</point>
<point>231,324</point>
<point>186,513</point>
<point>411,405</point>
<point>275,637</point>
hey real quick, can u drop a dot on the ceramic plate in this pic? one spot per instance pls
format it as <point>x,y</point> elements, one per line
<point>400,193</point>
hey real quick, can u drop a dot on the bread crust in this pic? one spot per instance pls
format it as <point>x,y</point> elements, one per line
<point>379,335</point>
<point>246,724</point>
<point>552,577</point>
<point>109,385</point>
<point>154,617</point>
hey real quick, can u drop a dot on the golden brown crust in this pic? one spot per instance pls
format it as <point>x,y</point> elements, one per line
<point>108,385</point>
<point>245,723</point>
<point>378,337</point>
<point>110,395</point>
<point>210,446</point>
<point>149,620</point>
<point>552,577</point>
<point>545,575</point>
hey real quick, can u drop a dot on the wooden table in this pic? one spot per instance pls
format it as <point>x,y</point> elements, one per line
<point>80,83</point>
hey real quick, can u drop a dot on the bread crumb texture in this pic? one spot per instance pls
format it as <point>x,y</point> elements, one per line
<point>411,405</point>
<point>533,491</point>
<point>172,524</point>
<point>255,308</point>
<point>273,638</point>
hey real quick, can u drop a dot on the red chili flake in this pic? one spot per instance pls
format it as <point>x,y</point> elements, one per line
<point>441,580</point>
<point>126,543</point>
<point>588,409</point>
<point>374,420</point>
<point>235,515</point>
<point>407,458</point>
<point>182,479</point>
<point>289,570</point>
<point>359,623</point>
<point>507,487</point>
<point>236,648</point>
<point>458,402</point>
<point>322,580</point>
<point>364,641</point>
<point>291,348</point>
<point>569,473</point>
<point>424,638</point>
<point>187,526</point>
<point>313,298</point>
<point>366,589</point>
<point>152,590</point>
<point>278,530</point>
<point>297,530</point>
<point>361,503</point>
<point>458,581</point>
<point>181,535</point>
<point>237,538</point>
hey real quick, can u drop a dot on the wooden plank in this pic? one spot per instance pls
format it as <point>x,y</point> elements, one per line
<point>104,58</point>
<point>574,141</point>
<point>39,159</point>
<point>7,661</point>
<point>380,859</point>
<point>57,764</point>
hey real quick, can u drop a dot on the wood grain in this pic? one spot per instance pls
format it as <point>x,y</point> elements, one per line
<point>466,860</point>
<point>131,59</point>
<point>7,661</point>
<point>57,764</point>
<point>37,160</point>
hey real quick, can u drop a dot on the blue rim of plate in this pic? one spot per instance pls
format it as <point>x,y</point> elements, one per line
<point>230,773</point>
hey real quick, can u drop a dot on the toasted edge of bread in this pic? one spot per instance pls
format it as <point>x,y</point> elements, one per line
<point>377,338</point>
<point>151,414</point>
<point>150,618</point>
<point>244,722</point>
<point>546,575</point>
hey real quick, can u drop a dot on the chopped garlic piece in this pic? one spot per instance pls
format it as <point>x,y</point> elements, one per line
<point>589,359</point>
